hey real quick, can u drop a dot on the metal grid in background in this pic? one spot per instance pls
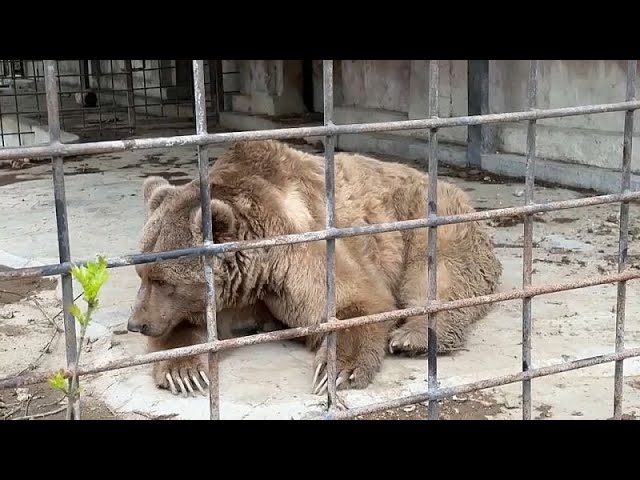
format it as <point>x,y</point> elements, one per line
<point>330,325</point>
<point>96,103</point>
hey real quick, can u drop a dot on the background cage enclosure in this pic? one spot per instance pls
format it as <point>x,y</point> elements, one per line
<point>117,80</point>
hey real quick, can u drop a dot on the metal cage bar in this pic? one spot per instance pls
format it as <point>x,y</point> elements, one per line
<point>432,239</point>
<point>527,253</point>
<point>53,111</point>
<point>330,200</point>
<point>330,234</point>
<point>207,232</point>
<point>623,244</point>
<point>128,260</point>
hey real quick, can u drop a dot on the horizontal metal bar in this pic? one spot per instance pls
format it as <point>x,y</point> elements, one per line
<point>290,333</point>
<point>449,392</point>
<point>125,261</point>
<point>299,132</point>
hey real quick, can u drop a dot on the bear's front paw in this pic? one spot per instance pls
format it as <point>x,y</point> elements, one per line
<point>348,375</point>
<point>178,375</point>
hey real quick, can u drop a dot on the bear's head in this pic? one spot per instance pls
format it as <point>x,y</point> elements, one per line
<point>174,291</point>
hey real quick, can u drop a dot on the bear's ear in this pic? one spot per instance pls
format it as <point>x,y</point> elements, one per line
<point>154,191</point>
<point>224,221</point>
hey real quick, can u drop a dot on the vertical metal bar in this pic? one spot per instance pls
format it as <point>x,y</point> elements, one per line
<point>131,105</point>
<point>207,231</point>
<point>627,144</point>
<point>35,85</point>
<point>527,254</point>
<point>1,122</point>
<point>432,239</point>
<point>477,104</point>
<point>145,90</point>
<point>159,71</point>
<point>113,96</point>
<point>84,87</point>
<point>216,89</point>
<point>61,111</point>
<point>15,99</point>
<point>330,305</point>
<point>99,95</point>
<point>53,112</point>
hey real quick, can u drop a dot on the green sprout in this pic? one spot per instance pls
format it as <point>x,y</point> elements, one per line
<point>91,277</point>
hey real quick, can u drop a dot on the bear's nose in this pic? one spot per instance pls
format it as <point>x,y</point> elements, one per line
<point>138,327</point>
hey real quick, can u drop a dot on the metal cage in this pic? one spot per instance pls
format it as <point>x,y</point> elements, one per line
<point>330,325</point>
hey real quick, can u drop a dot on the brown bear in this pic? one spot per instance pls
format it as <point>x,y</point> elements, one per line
<point>261,189</point>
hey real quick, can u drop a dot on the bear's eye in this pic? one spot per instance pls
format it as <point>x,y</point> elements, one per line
<point>159,283</point>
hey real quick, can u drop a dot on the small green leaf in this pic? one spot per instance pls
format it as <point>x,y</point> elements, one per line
<point>58,381</point>
<point>91,277</point>
<point>76,312</point>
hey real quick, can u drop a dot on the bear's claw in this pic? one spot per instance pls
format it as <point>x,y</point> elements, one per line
<point>320,382</point>
<point>182,379</point>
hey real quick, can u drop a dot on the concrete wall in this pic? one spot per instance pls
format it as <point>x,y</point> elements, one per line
<point>571,150</point>
<point>385,90</point>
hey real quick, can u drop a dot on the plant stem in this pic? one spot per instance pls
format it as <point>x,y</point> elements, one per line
<point>74,378</point>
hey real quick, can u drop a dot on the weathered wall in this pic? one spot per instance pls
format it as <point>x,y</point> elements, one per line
<point>395,90</point>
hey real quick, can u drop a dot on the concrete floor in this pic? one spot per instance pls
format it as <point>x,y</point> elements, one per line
<point>273,380</point>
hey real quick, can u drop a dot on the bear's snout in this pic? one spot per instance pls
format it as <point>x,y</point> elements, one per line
<point>135,327</point>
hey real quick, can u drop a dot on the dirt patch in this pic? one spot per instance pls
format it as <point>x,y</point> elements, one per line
<point>13,330</point>
<point>41,402</point>
<point>563,220</point>
<point>13,291</point>
<point>477,406</point>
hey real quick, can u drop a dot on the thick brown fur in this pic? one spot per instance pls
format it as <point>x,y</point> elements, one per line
<point>266,188</point>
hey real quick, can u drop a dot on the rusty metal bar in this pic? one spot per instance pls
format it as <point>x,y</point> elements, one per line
<point>290,333</point>
<point>207,236</point>
<point>623,247</point>
<point>299,132</point>
<point>449,392</point>
<point>53,112</point>
<point>527,253</point>
<point>330,211</point>
<point>131,100</point>
<point>478,138</point>
<point>128,260</point>
<point>432,237</point>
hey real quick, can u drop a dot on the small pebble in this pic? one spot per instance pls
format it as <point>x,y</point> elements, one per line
<point>518,193</point>
<point>410,408</point>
